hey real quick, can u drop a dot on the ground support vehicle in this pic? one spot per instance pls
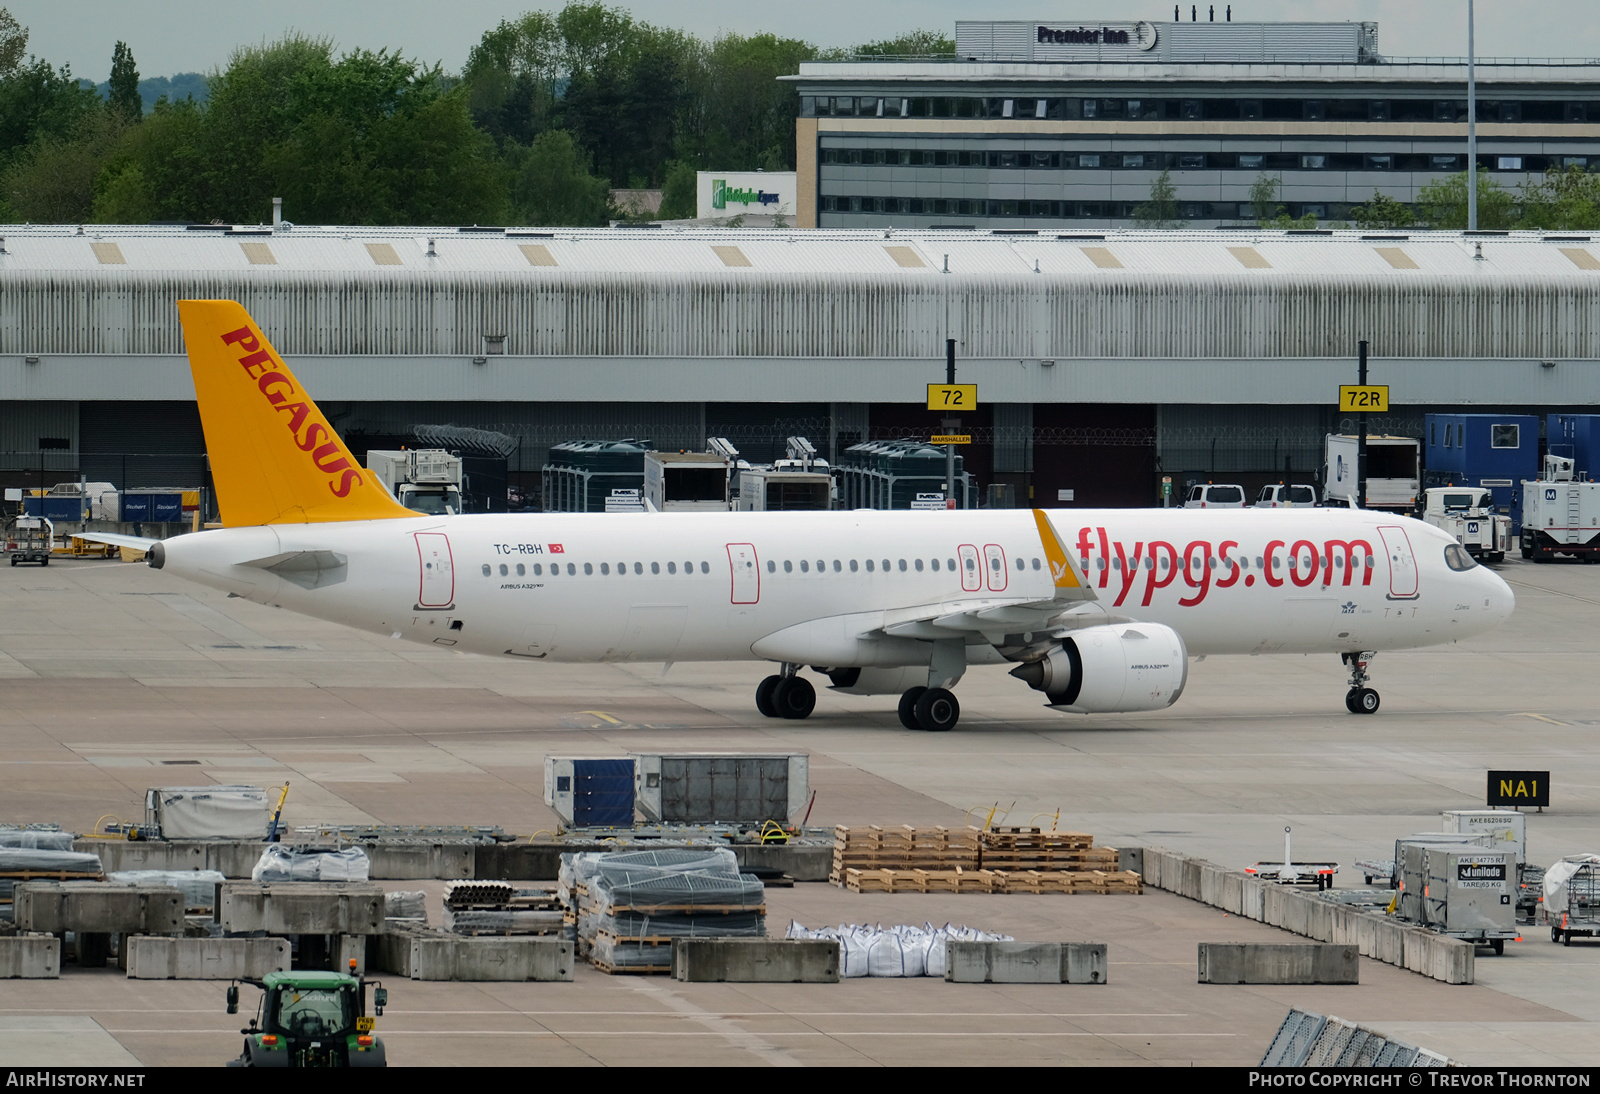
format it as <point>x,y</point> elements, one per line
<point>1572,898</point>
<point>1560,515</point>
<point>311,1019</point>
<point>30,539</point>
<point>1467,512</point>
<point>426,480</point>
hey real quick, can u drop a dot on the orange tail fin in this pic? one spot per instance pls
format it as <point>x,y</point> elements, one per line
<point>274,457</point>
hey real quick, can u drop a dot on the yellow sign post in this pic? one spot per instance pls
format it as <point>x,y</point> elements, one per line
<point>1364,398</point>
<point>952,397</point>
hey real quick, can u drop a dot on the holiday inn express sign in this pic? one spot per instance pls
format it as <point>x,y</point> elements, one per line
<point>736,193</point>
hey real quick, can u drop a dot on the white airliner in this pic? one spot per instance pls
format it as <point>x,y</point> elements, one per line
<point>1098,609</point>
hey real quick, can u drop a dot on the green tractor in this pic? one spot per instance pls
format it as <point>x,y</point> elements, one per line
<point>311,1019</point>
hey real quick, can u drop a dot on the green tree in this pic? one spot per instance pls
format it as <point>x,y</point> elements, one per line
<point>13,43</point>
<point>1443,204</point>
<point>1566,198</point>
<point>124,98</point>
<point>1383,211</point>
<point>916,43</point>
<point>1161,211</point>
<point>37,101</point>
<point>679,196</point>
<point>1269,213</point>
<point>552,185</point>
<point>52,181</point>
<point>514,77</point>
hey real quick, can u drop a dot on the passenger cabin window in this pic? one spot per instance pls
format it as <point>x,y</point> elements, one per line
<point>485,569</point>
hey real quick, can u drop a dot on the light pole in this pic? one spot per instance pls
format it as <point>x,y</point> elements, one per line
<point>1472,128</point>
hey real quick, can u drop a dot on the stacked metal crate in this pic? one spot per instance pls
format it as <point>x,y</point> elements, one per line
<point>624,909</point>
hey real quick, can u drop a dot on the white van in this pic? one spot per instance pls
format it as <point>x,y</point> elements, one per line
<point>1215,496</point>
<point>1279,496</point>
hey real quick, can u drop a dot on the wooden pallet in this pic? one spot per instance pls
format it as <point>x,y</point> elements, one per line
<point>905,838</point>
<point>988,881</point>
<point>630,970</point>
<point>685,909</point>
<point>644,940</point>
<point>1038,881</point>
<point>1013,839</point>
<point>1094,858</point>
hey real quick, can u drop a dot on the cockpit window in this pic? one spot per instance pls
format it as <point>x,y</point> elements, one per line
<point>1457,558</point>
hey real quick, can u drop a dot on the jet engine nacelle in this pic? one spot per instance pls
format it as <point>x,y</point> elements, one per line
<point>1112,669</point>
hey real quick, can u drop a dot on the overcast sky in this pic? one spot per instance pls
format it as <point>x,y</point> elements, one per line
<point>170,36</point>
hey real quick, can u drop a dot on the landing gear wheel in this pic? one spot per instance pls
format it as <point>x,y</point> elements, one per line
<point>794,697</point>
<point>908,707</point>
<point>937,710</point>
<point>1350,700</point>
<point>764,693</point>
<point>1364,701</point>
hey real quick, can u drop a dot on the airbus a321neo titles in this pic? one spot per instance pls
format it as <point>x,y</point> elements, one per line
<point>1099,609</point>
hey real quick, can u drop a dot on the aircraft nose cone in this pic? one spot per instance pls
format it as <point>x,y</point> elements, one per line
<point>1501,600</point>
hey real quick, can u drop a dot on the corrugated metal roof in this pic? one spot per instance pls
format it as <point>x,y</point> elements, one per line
<point>673,292</point>
<point>697,252</point>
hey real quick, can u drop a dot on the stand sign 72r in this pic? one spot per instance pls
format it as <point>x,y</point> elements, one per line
<point>1364,398</point>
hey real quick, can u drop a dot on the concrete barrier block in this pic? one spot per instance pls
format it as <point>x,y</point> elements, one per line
<point>149,958</point>
<point>392,861</point>
<point>1131,858</point>
<point>1025,962</point>
<point>422,954</point>
<point>1213,879</point>
<point>1252,897</point>
<point>756,960</point>
<point>351,947</point>
<point>305,907</point>
<point>30,957</point>
<point>1002,962</point>
<point>1292,963</point>
<point>801,861</point>
<point>94,907</point>
<point>1231,897</point>
<point>1439,957</point>
<point>1084,963</point>
<point>1189,872</point>
<point>232,858</point>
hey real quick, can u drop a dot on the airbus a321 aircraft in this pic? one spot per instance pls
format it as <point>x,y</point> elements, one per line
<point>1098,609</point>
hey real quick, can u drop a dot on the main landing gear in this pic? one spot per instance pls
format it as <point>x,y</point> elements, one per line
<point>787,695</point>
<point>1360,699</point>
<point>934,710</point>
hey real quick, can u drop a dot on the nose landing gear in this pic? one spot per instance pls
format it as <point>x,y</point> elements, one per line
<point>1360,699</point>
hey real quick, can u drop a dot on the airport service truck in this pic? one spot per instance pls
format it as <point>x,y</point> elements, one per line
<point>1394,472</point>
<point>427,480</point>
<point>1467,512</point>
<point>1560,514</point>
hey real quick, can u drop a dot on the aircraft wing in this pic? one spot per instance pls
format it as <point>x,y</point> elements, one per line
<point>1072,605</point>
<point>138,543</point>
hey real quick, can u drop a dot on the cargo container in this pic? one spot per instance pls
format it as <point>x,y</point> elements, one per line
<point>1497,451</point>
<point>590,792</point>
<point>584,476</point>
<point>720,787</point>
<point>899,475</point>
